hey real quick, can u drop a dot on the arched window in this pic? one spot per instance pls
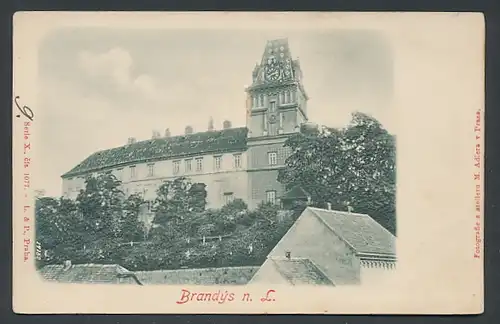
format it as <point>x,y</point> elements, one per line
<point>282,98</point>
<point>254,101</point>
<point>287,96</point>
<point>261,100</point>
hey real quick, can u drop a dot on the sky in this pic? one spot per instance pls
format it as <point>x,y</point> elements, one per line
<point>99,86</point>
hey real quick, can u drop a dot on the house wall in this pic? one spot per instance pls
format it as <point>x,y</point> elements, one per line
<point>310,238</point>
<point>262,176</point>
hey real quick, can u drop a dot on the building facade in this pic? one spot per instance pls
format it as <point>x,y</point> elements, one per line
<point>240,162</point>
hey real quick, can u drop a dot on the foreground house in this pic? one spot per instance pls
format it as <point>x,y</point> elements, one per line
<point>88,273</point>
<point>328,247</point>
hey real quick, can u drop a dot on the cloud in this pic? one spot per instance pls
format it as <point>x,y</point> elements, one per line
<point>116,67</point>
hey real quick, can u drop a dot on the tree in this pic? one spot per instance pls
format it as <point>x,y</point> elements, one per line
<point>353,167</point>
<point>179,206</point>
<point>100,210</point>
<point>131,229</point>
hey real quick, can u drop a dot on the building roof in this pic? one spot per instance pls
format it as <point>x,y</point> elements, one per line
<point>301,272</point>
<point>360,231</point>
<point>88,273</point>
<point>232,139</point>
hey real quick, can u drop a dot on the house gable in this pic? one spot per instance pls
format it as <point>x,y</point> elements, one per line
<point>311,239</point>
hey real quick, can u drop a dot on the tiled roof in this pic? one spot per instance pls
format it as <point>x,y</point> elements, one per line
<point>88,273</point>
<point>226,140</point>
<point>361,231</point>
<point>301,272</point>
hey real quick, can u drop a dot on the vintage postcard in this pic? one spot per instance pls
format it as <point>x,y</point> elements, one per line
<point>279,163</point>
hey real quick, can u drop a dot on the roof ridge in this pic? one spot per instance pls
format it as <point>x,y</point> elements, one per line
<point>343,212</point>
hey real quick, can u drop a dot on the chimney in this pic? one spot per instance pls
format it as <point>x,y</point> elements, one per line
<point>131,140</point>
<point>167,132</point>
<point>188,130</point>
<point>349,209</point>
<point>226,124</point>
<point>156,134</point>
<point>67,265</point>
<point>288,255</point>
<point>329,206</point>
<point>211,124</point>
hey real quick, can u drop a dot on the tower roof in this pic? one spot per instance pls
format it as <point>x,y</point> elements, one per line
<point>277,49</point>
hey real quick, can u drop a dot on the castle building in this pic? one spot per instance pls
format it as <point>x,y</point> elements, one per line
<point>240,162</point>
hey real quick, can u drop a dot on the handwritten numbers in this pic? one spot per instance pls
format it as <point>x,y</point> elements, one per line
<point>25,110</point>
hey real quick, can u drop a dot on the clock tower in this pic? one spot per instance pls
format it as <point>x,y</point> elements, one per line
<point>276,107</point>
<point>277,99</point>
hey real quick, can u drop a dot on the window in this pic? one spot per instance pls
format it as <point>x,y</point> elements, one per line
<point>176,168</point>
<point>199,164</point>
<point>151,170</point>
<point>119,174</point>
<point>271,197</point>
<point>217,162</point>
<point>132,172</point>
<point>254,101</point>
<point>237,161</point>
<point>287,96</point>
<point>273,106</point>
<point>273,158</point>
<point>228,197</point>
<point>188,165</point>
<point>261,100</point>
<point>150,206</point>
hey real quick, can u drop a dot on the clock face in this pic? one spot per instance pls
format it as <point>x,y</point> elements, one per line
<point>273,73</point>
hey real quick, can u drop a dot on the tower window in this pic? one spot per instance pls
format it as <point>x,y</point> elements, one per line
<point>228,197</point>
<point>272,158</point>
<point>287,96</point>
<point>176,167</point>
<point>271,196</point>
<point>261,100</point>
<point>273,106</point>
